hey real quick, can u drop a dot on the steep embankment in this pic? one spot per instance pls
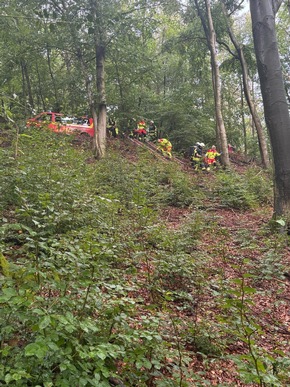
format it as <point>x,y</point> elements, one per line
<point>136,269</point>
<point>240,300</point>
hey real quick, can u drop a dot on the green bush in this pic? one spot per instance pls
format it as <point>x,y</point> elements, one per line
<point>243,191</point>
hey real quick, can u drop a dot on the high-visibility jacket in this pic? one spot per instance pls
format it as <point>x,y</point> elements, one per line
<point>165,146</point>
<point>141,125</point>
<point>211,156</point>
<point>196,154</point>
<point>164,143</point>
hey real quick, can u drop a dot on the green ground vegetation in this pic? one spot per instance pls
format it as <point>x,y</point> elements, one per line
<point>97,290</point>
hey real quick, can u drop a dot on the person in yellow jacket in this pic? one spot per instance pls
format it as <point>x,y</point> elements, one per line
<point>197,157</point>
<point>165,147</point>
<point>211,156</point>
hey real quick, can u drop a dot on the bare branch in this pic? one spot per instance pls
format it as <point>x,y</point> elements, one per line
<point>276,5</point>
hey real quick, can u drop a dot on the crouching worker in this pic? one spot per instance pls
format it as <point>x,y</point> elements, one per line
<point>211,157</point>
<point>165,147</point>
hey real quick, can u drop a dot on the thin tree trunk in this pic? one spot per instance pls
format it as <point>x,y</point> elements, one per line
<point>100,139</point>
<point>243,120</point>
<point>221,131</point>
<point>249,99</point>
<point>99,146</point>
<point>26,76</point>
<point>57,102</point>
<point>40,89</point>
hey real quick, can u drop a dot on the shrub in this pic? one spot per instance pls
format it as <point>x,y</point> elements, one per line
<point>242,192</point>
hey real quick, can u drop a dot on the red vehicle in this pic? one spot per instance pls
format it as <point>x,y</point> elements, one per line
<point>59,123</point>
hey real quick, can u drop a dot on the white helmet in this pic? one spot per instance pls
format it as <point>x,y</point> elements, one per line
<point>200,144</point>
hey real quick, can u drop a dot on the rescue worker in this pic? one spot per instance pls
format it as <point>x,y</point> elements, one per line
<point>130,128</point>
<point>112,128</point>
<point>197,159</point>
<point>140,131</point>
<point>152,131</point>
<point>165,147</point>
<point>211,156</point>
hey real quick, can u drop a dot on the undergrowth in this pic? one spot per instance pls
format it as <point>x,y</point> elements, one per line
<point>97,291</point>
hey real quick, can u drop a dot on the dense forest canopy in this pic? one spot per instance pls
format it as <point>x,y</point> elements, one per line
<point>157,64</point>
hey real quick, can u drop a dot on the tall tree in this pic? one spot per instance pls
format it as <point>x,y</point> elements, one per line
<point>247,91</point>
<point>210,34</point>
<point>274,98</point>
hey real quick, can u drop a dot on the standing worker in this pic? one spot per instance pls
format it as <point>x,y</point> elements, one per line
<point>197,156</point>
<point>165,147</point>
<point>140,131</point>
<point>152,131</point>
<point>211,156</point>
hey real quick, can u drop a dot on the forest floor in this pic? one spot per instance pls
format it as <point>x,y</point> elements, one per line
<point>272,302</point>
<point>270,308</point>
<point>240,296</point>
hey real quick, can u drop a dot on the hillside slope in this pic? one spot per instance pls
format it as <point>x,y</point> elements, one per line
<point>137,271</point>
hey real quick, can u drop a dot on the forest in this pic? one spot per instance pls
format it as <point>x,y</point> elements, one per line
<point>119,267</point>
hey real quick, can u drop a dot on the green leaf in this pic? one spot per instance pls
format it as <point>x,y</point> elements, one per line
<point>249,290</point>
<point>45,322</point>
<point>281,222</point>
<point>38,349</point>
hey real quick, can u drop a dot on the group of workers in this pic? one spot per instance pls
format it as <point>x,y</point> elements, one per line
<point>204,160</point>
<point>142,132</point>
<point>200,158</point>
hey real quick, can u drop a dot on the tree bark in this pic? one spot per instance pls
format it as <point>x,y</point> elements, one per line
<point>28,84</point>
<point>274,99</point>
<point>259,128</point>
<point>211,42</point>
<point>100,133</point>
<point>57,107</point>
<point>99,145</point>
<point>243,119</point>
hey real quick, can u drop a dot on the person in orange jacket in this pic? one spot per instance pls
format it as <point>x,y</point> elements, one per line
<point>211,156</point>
<point>140,132</point>
<point>165,147</point>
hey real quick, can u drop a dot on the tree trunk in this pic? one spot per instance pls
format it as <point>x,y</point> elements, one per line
<point>211,42</point>
<point>221,131</point>
<point>100,132</point>
<point>274,99</point>
<point>99,146</point>
<point>243,120</point>
<point>249,99</point>
<point>40,93</point>
<point>28,84</point>
<point>57,107</point>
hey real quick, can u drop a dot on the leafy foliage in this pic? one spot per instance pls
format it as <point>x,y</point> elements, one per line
<point>93,283</point>
<point>243,191</point>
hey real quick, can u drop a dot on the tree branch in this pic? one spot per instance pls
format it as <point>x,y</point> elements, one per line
<point>276,5</point>
<point>222,43</point>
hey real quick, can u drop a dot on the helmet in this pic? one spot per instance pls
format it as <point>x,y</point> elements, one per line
<point>200,144</point>
<point>213,147</point>
<point>160,139</point>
